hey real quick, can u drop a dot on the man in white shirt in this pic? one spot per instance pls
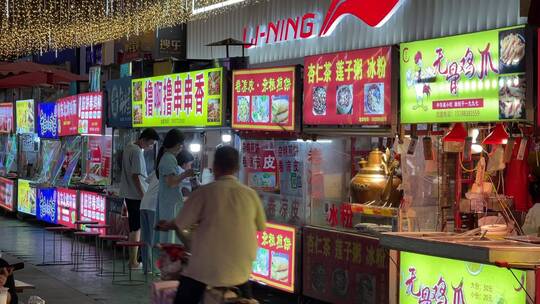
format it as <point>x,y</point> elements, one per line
<point>132,186</point>
<point>224,244</point>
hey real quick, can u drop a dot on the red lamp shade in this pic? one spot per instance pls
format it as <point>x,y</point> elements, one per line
<point>457,134</point>
<point>498,136</point>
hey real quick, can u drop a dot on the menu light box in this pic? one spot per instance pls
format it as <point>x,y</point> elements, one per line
<point>478,77</point>
<point>92,208</point>
<point>25,116</point>
<point>350,88</point>
<point>429,279</point>
<point>47,122</point>
<point>67,207</point>
<point>264,99</point>
<point>276,257</point>
<point>26,197</point>
<point>6,117</point>
<point>7,194</point>
<point>190,99</point>
<point>47,205</point>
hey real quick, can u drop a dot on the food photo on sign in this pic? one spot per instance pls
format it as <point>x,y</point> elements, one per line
<point>265,99</point>
<point>25,116</point>
<point>6,117</point>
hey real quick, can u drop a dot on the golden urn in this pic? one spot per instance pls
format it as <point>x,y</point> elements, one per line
<point>376,183</point>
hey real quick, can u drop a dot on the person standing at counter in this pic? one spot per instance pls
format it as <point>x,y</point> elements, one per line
<point>185,161</point>
<point>148,221</point>
<point>228,215</point>
<point>132,185</point>
<point>170,198</point>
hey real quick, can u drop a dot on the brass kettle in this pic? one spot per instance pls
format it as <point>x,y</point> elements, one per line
<point>375,182</point>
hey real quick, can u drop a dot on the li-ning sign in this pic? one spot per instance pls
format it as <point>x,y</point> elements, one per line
<point>374,13</point>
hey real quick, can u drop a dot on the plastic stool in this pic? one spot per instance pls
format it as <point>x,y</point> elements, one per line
<point>114,239</point>
<point>80,236</point>
<point>55,231</point>
<point>130,281</point>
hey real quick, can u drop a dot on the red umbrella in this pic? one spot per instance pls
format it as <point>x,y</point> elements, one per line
<point>29,74</point>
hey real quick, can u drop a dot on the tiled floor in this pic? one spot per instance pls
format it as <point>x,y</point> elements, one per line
<point>22,240</point>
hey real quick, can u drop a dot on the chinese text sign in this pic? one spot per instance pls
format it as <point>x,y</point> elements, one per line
<point>276,257</point>
<point>429,279</point>
<point>7,192</point>
<point>264,99</point>
<point>26,197</point>
<point>68,119</point>
<point>25,116</point>
<point>348,88</point>
<point>343,267</point>
<point>191,99</point>
<point>90,113</point>
<point>6,117</point>
<point>92,209</point>
<point>47,124</point>
<point>119,102</point>
<point>67,207</point>
<point>47,205</point>
<point>478,77</point>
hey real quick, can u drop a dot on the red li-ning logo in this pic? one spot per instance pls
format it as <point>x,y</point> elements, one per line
<point>374,13</point>
<point>301,27</point>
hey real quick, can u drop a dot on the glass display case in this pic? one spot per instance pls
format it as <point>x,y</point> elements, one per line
<point>47,161</point>
<point>8,154</point>
<point>68,168</point>
<point>29,144</point>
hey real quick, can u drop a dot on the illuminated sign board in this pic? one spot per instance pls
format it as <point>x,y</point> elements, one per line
<point>6,117</point>
<point>26,197</point>
<point>478,77</point>
<point>429,279</point>
<point>191,99</point>
<point>25,116</point>
<point>7,193</point>
<point>47,123</point>
<point>67,207</point>
<point>276,257</point>
<point>348,88</point>
<point>92,209</point>
<point>47,205</point>
<point>264,99</point>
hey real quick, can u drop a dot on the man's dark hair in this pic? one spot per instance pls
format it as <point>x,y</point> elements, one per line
<point>227,159</point>
<point>149,134</point>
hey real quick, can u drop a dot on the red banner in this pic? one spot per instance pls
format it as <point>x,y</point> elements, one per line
<point>264,99</point>
<point>7,192</point>
<point>342,267</point>
<point>93,209</point>
<point>68,118</point>
<point>276,257</point>
<point>6,117</point>
<point>67,207</point>
<point>348,88</point>
<point>90,113</point>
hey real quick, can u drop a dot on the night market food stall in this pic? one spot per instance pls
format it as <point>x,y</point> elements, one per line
<point>8,158</point>
<point>265,112</point>
<point>349,110</point>
<point>471,183</point>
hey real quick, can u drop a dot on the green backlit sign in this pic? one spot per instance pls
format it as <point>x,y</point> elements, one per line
<point>428,279</point>
<point>478,77</point>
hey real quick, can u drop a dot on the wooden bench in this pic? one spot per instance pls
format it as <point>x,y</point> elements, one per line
<point>21,286</point>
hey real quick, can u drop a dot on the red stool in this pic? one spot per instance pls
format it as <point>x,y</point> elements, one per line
<point>130,281</point>
<point>79,253</point>
<point>114,239</point>
<point>81,227</point>
<point>55,231</point>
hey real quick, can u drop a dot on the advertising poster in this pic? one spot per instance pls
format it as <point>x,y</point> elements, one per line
<point>264,99</point>
<point>276,257</point>
<point>478,77</point>
<point>68,119</point>
<point>8,154</point>
<point>25,116</point>
<point>119,102</point>
<point>429,279</point>
<point>90,113</point>
<point>7,194</point>
<point>26,197</point>
<point>344,267</point>
<point>47,205</point>
<point>98,160</point>
<point>191,99</point>
<point>6,117</point>
<point>92,209</point>
<point>47,124</point>
<point>348,88</point>
<point>67,207</point>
